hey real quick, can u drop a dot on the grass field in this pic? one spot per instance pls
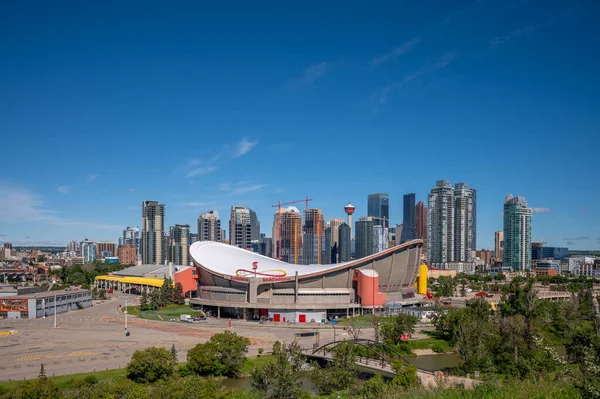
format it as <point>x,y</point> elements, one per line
<point>165,314</point>
<point>65,381</point>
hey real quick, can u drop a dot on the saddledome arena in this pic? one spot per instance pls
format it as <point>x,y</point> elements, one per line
<point>234,282</point>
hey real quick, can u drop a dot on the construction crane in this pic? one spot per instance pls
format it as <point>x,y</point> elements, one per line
<point>278,205</point>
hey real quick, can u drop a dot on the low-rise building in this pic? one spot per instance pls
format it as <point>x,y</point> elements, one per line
<point>44,304</point>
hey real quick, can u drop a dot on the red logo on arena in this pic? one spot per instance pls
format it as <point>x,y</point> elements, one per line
<point>254,265</point>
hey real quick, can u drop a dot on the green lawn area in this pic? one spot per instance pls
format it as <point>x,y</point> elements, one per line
<point>437,345</point>
<point>363,321</point>
<point>165,314</point>
<point>64,381</point>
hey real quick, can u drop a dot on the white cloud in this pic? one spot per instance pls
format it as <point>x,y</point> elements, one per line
<point>248,189</point>
<point>315,71</point>
<point>204,170</point>
<point>382,95</point>
<point>244,147</point>
<point>199,203</point>
<point>91,177</point>
<point>396,52</point>
<point>18,204</point>
<point>63,189</point>
<point>132,190</point>
<point>540,210</point>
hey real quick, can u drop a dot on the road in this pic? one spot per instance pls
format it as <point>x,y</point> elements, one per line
<point>94,339</point>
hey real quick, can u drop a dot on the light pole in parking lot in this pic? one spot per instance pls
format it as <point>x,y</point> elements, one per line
<point>125,314</point>
<point>54,310</point>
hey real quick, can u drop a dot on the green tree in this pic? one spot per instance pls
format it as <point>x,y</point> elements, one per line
<point>144,300</point>
<point>150,365</point>
<point>166,292</point>
<point>224,354</point>
<point>279,377</point>
<point>373,388</point>
<point>338,375</point>
<point>178,297</point>
<point>174,353</point>
<point>155,302</point>
<point>400,325</point>
<point>42,373</point>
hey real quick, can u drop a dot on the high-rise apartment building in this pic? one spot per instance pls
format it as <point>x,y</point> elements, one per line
<point>127,255</point>
<point>209,226</point>
<point>179,244</point>
<point>499,246</point>
<point>440,223</point>
<point>409,221</point>
<point>379,206</point>
<point>450,220</point>
<point>194,237</point>
<point>88,251</point>
<point>106,249</point>
<point>287,235</point>
<point>313,239</point>
<point>345,242</point>
<point>464,199</point>
<point>153,231</point>
<point>241,225</point>
<point>421,215</point>
<point>517,234</point>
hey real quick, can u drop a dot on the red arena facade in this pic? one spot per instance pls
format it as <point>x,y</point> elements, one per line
<point>234,282</point>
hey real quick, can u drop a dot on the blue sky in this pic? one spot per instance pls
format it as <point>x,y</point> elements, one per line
<point>204,106</point>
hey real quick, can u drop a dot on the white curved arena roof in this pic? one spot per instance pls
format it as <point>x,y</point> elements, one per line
<point>225,259</point>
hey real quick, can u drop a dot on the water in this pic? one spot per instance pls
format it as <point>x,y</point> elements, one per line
<point>428,362</point>
<point>435,362</point>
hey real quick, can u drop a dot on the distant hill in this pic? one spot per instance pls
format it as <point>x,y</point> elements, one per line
<point>584,252</point>
<point>51,250</point>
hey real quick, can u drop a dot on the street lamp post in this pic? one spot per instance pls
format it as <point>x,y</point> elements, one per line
<point>55,310</point>
<point>125,314</point>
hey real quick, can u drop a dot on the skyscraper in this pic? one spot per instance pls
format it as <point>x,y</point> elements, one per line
<point>517,234</point>
<point>131,236</point>
<point>266,245</point>
<point>363,233</point>
<point>254,226</point>
<point>314,237</point>
<point>409,221</point>
<point>209,226</point>
<point>345,241</point>
<point>335,223</point>
<point>380,238</point>
<point>379,206</point>
<point>179,244</point>
<point>153,230</point>
<point>499,245</point>
<point>421,214</point>
<point>474,234</point>
<point>463,223</point>
<point>287,235</point>
<point>240,227</point>
<point>440,223</point>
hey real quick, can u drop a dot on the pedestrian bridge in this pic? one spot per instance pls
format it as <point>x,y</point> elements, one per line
<point>381,362</point>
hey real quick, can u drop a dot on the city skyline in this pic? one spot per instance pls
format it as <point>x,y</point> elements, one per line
<point>481,81</point>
